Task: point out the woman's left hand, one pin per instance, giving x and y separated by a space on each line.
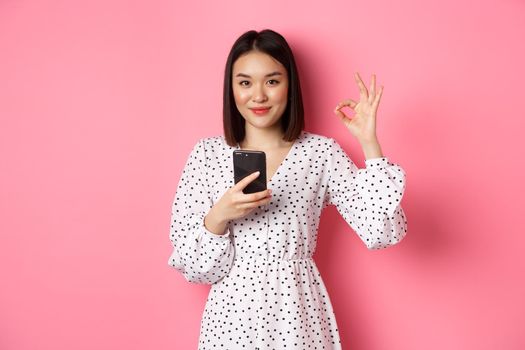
363 123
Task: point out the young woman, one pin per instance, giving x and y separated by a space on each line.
256 249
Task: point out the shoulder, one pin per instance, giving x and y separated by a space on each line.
317 140
214 142
211 143
211 149
316 137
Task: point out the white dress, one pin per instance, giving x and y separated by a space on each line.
266 291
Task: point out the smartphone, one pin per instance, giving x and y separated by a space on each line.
246 163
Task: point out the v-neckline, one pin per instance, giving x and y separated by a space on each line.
288 155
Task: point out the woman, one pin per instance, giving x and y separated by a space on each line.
256 249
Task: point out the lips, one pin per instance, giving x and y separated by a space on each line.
260 111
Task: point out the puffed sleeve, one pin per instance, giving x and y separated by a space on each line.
200 255
368 199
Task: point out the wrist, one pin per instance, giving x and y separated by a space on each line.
371 149
215 217
368 141
214 223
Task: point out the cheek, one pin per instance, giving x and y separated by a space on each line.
240 96
280 94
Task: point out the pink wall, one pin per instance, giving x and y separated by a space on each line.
101 102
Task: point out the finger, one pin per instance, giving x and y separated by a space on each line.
341 115
251 197
263 201
246 181
348 102
362 88
251 205
378 97
372 94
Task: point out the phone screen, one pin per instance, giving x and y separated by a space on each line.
246 163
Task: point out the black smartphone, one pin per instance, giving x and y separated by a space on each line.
246 163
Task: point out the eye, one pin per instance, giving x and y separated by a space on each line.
246 81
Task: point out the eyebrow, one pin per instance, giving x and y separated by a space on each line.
267 75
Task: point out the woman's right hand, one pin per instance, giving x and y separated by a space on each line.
235 204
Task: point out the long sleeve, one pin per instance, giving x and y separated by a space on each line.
368 199
200 255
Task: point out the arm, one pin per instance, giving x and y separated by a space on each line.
199 254
368 199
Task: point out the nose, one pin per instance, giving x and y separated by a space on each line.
259 95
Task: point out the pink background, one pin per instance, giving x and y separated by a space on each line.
101 102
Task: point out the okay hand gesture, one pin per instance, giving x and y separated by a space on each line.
363 124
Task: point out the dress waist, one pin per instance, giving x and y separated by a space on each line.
270 259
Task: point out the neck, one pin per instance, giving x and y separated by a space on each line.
266 138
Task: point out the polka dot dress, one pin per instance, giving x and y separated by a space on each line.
266 291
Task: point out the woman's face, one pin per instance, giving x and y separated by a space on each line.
259 80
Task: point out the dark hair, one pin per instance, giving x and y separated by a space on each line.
273 44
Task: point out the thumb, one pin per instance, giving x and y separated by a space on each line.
246 181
